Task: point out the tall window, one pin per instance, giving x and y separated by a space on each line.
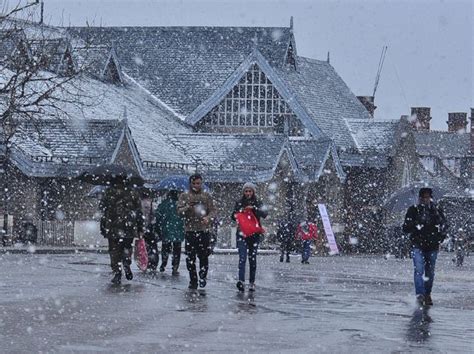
254 102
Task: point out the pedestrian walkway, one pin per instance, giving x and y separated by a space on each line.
344 304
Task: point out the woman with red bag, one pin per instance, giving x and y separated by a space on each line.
247 212
306 232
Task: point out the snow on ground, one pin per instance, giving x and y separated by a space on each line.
65 303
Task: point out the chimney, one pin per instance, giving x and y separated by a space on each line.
368 102
421 118
457 122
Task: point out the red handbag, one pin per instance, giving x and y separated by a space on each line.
248 223
141 255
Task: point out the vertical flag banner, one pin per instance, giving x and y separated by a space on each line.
328 229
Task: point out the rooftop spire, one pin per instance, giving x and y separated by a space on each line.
329 59
291 23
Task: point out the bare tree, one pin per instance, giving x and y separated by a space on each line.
37 78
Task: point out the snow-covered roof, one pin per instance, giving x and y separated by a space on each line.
55 147
236 158
183 66
442 144
373 135
326 98
186 66
149 122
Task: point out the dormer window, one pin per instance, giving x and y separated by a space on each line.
111 73
67 64
290 56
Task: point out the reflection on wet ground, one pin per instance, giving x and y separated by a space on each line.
340 304
419 327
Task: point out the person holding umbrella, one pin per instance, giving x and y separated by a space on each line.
169 226
196 207
122 217
427 227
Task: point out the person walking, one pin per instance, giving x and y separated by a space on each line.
196 207
307 232
286 234
121 222
169 225
248 244
149 233
427 226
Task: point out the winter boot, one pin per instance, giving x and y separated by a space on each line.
428 300
202 282
252 287
420 300
240 286
192 285
281 258
117 279
128 272
162 269
287 259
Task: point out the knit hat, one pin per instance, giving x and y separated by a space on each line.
250 185
425 190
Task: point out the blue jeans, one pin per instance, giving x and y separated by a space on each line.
424 262
306 250
248 245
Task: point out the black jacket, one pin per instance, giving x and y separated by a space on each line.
286 231
257 207
122 215
426 225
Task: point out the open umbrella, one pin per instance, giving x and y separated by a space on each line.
176 183
406 196
96 191
110 175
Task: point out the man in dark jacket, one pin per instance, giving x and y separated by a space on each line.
286 235
196 207
121 222
426 225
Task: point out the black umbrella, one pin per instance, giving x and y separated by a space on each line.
406 196
111 175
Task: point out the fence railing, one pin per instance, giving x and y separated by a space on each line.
55 233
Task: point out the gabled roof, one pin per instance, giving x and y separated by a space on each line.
442 144
311 157
373 135
149 122
183 66
256 58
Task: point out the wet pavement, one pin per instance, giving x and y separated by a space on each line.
65 303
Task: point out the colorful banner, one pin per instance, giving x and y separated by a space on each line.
328 229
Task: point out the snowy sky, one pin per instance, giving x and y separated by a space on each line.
430 42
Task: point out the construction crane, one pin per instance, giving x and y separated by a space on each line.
379 70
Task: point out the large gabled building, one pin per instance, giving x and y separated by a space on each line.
236 104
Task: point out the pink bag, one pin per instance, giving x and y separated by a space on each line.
248 223
141 255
